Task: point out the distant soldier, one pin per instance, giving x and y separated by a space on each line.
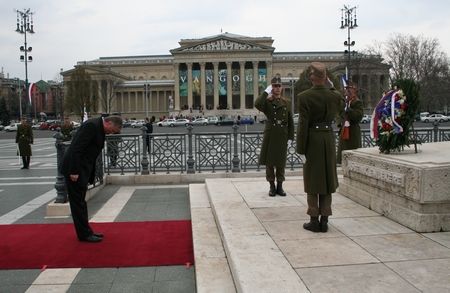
278 130
24 139
66 129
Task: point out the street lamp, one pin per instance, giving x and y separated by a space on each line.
24 25
292 96
348 21
146 92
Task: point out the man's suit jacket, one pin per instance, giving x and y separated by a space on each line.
83 151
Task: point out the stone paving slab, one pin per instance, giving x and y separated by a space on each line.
354 278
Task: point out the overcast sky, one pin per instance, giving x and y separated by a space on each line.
68 31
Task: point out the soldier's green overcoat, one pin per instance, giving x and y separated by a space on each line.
354 115
24 137
279 128
318 106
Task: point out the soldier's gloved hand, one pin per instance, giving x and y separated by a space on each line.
268 90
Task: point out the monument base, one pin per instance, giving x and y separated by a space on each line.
57 210
412 189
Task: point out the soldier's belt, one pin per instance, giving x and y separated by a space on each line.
321 126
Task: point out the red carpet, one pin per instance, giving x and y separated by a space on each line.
34 246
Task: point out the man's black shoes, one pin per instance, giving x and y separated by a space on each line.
272 190
99 235
92 238
313 225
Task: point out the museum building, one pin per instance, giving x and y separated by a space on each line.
216 75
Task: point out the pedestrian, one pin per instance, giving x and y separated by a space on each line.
350 131
149 130
279 128
24 140
66 129
78 168
318 107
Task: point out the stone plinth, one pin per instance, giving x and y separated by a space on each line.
412 189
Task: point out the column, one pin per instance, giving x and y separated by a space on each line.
100 97
216 84
176 96
136 109
255 80
144 100
157 103
229 87
202 85
242 80
129 102
269 71
189 69
122 109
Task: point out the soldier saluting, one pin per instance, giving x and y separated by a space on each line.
278 130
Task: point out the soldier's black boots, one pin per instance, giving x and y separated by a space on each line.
313 225
272 190
280 190
324 223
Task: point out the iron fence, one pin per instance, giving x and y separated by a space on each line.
210 152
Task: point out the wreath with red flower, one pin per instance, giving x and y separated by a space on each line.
393 117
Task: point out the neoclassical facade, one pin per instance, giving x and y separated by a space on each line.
216 75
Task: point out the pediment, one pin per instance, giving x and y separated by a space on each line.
222 44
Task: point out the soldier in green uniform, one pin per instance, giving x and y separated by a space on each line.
318 107
278 130
351 118
66 129
24 139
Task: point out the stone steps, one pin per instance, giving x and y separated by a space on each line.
255 261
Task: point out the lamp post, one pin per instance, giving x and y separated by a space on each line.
24 25
146 92
348 21
292 96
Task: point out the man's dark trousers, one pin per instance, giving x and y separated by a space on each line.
78 208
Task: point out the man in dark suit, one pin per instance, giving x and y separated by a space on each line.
78 168
318 107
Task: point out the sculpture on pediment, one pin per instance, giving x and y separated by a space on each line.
221 45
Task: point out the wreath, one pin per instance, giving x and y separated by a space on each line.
393 117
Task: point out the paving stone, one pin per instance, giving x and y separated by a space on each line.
324 252
441 237
281 213
368 226
397 247
432 275
354 278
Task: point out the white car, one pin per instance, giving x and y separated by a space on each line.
295 118
166 122
199 121
213 120
12 127
138 123
366 118
434 118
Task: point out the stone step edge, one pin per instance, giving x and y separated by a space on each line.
212 271
256 263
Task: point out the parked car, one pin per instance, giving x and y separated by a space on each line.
138 123
246 120
2 127
181 122
36 125
366 118
226 121
166 122
295 118
213 120
435 118
199 121
12 127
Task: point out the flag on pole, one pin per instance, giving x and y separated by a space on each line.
31 90
85 115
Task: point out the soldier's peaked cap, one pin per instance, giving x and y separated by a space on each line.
275 80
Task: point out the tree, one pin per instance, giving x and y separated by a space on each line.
107 93
81 93
5 119
421 60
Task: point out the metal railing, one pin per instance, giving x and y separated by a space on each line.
216 151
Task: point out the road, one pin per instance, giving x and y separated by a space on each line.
197 129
